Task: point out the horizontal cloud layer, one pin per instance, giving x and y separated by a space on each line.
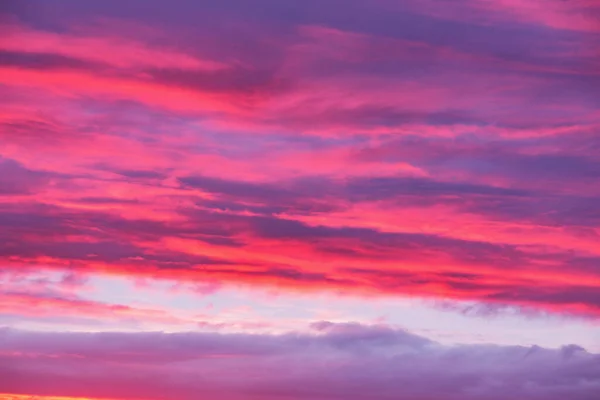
335 361
400 148
389 148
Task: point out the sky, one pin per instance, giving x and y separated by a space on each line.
293 200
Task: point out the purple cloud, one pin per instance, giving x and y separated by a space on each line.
335 361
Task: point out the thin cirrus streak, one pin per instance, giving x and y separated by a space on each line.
332 199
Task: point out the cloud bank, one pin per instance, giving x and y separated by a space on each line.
333 361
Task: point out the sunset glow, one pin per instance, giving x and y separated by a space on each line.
300 200
37 397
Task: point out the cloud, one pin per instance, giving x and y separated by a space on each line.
15 179
113 50
334 361
270 249
306 78
381 148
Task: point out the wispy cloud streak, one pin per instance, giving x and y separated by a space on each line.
447 151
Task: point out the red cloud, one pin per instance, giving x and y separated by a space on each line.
355 152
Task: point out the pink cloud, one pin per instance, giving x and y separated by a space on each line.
117 51
324 151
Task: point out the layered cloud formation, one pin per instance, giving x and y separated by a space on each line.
338 361
447 151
